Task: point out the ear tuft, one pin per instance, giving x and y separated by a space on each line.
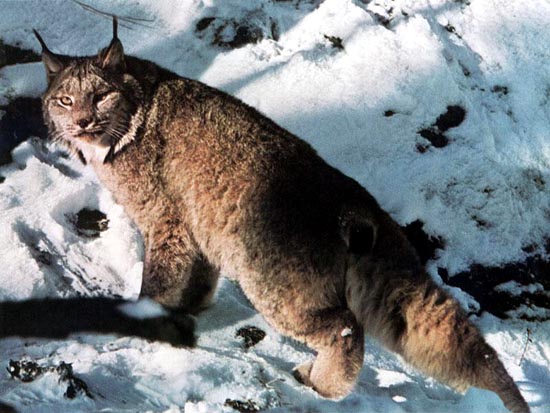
112 57
52 62
115 27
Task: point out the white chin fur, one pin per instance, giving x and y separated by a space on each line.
93 153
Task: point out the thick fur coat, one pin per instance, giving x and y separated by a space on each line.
214 186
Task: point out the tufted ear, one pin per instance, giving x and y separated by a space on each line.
112 57
53 63
358 232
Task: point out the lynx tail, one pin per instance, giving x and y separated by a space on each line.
440 340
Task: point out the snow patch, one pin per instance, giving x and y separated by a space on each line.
399 399
346 332
388 378
143 309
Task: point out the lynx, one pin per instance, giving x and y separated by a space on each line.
216 187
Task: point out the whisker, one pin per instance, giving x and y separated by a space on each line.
114 134
115 129
121 129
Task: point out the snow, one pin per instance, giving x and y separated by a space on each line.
41 192
143 309
485 193
346 332
515 288
22 80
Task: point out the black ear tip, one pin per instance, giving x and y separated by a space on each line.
40 40
115 27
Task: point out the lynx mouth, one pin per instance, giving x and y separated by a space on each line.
89 135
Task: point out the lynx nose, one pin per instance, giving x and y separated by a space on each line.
83 122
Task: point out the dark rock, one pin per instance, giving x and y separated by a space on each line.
90 222
245 35
203 23
251 335
75 386
421 148
24 370
42 256
450 28
27 371
336 42
454 116
436 138
500 90
231 33
248 406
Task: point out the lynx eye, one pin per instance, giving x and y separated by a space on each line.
66 100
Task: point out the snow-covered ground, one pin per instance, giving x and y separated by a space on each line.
358 80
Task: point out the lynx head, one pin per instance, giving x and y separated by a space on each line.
91 101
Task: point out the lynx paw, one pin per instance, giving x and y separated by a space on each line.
302 373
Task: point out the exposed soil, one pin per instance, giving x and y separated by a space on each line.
10 55
484 284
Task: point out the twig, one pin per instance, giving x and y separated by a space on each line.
128 19
529 340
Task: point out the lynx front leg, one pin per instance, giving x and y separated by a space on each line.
339 341
176 274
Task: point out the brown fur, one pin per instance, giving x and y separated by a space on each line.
214 186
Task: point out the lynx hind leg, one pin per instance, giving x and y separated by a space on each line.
178 277
339 341
440 340
201 285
